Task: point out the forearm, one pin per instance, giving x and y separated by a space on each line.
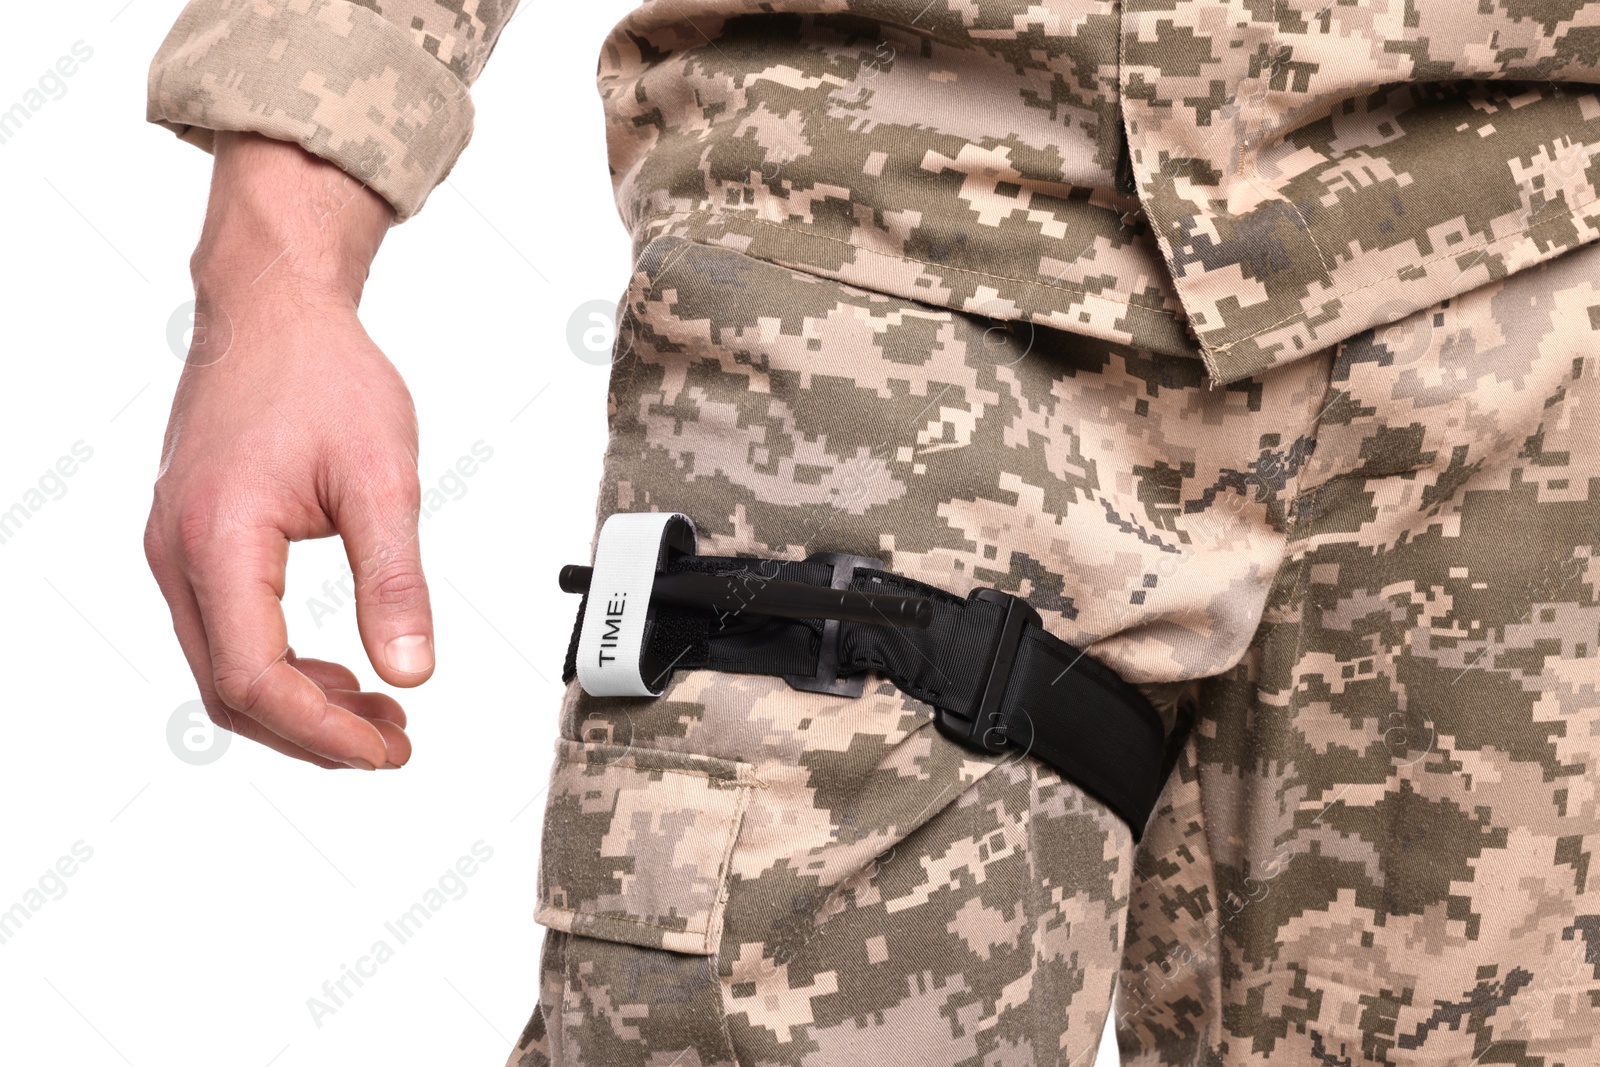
283 224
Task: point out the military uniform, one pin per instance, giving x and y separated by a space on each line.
1255 345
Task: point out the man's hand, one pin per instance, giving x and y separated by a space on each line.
289 423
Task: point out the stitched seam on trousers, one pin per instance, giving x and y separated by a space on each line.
801 232
595 916
1324 402
1293 540
722 1013
1299 588
566 986
613 439
562 757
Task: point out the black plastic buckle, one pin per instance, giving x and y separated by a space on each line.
985 729
827 679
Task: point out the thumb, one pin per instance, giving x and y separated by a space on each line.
379 528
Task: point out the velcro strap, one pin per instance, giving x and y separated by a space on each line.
1073 712
611 639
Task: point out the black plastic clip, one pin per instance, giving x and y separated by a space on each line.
985 729
827 679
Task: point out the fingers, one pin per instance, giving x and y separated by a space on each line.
379 525
196 650
327 674
237 573
395 741
374 707
338 682
381 710
340 686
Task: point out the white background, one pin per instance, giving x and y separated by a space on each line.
217 899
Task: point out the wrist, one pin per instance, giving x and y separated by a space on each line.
282 223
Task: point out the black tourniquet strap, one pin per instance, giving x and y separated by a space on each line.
998 681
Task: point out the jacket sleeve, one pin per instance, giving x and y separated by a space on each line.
379 88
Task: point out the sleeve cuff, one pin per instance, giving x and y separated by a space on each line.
337 79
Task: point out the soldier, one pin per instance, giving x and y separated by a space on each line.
1252 345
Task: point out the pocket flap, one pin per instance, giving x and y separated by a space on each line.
637 844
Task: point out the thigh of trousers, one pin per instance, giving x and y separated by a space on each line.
1376 845
742 873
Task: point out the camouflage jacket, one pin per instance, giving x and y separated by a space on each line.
1252 180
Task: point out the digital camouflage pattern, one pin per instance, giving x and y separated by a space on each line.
1376 848
1303 161
789 413
380 87
963 155
891 897
1090 301
644 842
1318 167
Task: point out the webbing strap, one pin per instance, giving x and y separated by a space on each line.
998 681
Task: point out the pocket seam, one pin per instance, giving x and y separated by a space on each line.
618 919
573 759
741 778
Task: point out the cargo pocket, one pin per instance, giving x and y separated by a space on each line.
637 843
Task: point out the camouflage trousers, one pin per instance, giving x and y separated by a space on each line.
1359 585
